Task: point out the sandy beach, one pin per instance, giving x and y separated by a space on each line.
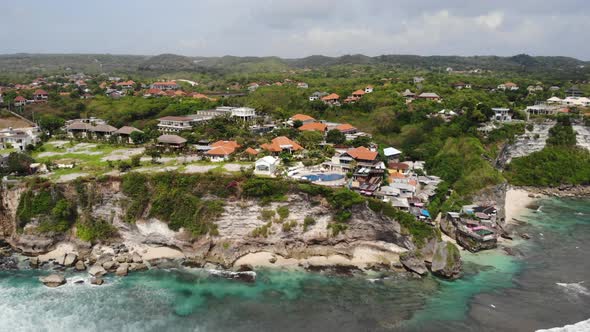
516 201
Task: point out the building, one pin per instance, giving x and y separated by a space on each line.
175 124
502 114
222 150
302 85
358 93
331 99
314 126
346 128
408 94
544 109
574 91
242 113
19 139
392 154
101 131
281 144
40 96
302 117
125 85
171 141
461 85
317 95
429 96
20 101
418 79
124 133
164 86
368 89
508 86
266 166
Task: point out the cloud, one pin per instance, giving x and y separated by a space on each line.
299 28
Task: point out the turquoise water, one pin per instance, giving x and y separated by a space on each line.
497 292
324 177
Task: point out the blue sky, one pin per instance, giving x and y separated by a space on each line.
297 28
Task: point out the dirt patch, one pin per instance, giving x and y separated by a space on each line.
13 122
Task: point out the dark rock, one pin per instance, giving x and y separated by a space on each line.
446 261
525 236
413 263
193 262
79 282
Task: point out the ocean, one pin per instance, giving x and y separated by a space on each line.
543 284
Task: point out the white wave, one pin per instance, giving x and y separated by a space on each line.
582 326
575 288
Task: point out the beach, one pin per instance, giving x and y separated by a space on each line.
516 202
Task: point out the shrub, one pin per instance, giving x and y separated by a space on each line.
262 231
337 228
308 221
269 189
288 226
95 230
267 215
283 212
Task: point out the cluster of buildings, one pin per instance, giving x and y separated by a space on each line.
19 138
176 124
411 96
334 99
98 129
474 227
253 86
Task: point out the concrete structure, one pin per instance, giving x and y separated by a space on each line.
502 114
266 166
19 138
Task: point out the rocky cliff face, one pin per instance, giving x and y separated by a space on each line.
366 231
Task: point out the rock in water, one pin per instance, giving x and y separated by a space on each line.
53 280
34 262
70 259
446 261
97 281
413 263
97 271
80 266
122 270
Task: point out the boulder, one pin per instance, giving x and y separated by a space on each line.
413 263
122 270
53 280
109 265
97 271
446 262
69 259
80 266
97 281
136 258
122 258
137 267
525 236
34 262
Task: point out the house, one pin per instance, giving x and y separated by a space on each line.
154 93
165 86
125 85
408 94
392 154
20 101
358 93
317 95
554 88
544 109
101 131
502 114
461 85
332 99
222 150
534 88
368 170
368 89
302 117
251 152
175 124
429 96
576 101
346 128
124 133
418 79
171 141
398 167
302 85
40 96
253 86
20 138
574 91
314 126
508 86
281 144
266 166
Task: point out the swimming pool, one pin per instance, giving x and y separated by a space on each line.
323 177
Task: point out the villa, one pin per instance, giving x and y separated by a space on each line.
171 141
281 144
175 124
124 133
171 85
502 114
222 150
19 138
314 126
301 117
266 166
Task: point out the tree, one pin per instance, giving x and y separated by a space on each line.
335 136
154 153
18 163
311 139
361 141
138 137
297 123
50 123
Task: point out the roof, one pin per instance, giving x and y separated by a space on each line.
313 126
408 93
130 82
231 144
40 92
280 143
428 95
267 160
154 91
510 84
345 127
362 153
127 130
388 152
165 83
223 150
175 118
171 139
301 117
78 126
103 128
331 96
251 151
20 98
398 166
358 92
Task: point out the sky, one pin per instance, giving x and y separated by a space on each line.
294 29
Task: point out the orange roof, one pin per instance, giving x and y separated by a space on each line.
345 127
40 92
224 150
280 143
231 144
200 96
314 126
251 151
19 98
301 117
331 96
358 92
509 84
130 82
396 175
362 153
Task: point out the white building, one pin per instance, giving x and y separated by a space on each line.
266 165
175 124
502 114
18 139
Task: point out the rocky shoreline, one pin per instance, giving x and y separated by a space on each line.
563 191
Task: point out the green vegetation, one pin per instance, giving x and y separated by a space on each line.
283 212
262 231
267 215
92 230
288 226
308 221
562 134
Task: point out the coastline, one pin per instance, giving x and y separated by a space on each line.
516 201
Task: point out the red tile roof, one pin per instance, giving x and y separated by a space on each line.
345 127
313 126
362 153
251 151
40 92
358 92
277 145
302 117
19 98
232 144
331 97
